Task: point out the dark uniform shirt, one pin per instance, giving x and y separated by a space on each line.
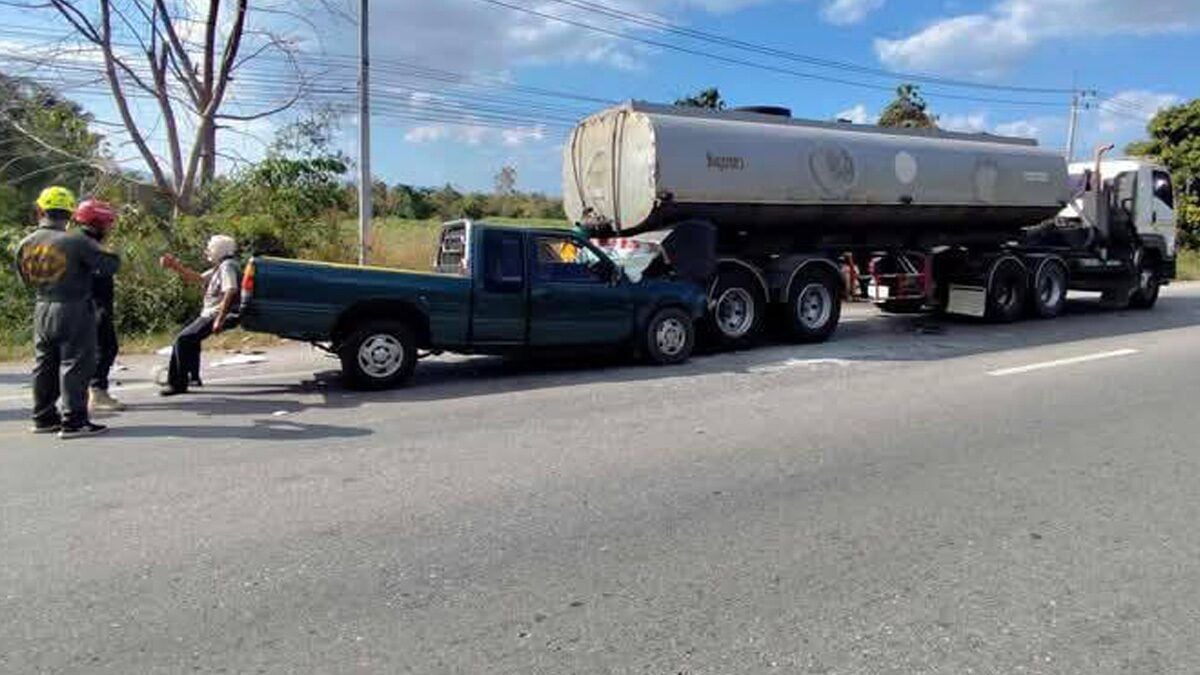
61 266
104 292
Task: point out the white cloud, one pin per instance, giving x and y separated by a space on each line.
1132 109
971 123
988 44
1020 128
520 135
858 115
847 12
426 133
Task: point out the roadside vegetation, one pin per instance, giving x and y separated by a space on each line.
298 201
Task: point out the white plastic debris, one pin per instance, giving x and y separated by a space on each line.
239 360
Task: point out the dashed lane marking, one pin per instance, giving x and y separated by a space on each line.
1018 370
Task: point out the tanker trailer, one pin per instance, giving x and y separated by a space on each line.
802 210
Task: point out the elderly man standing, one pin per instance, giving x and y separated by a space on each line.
61 267
221 284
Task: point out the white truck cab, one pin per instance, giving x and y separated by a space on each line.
1144 187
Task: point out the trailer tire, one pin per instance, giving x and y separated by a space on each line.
814 305
1148 284
1007 290
1048 292
738 309
378 355
670 336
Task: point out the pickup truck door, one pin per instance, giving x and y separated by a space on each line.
573 297
500 306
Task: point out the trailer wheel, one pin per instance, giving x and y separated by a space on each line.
1048 296
1006 291
378 355
814 305
737 309
670 336
1145 294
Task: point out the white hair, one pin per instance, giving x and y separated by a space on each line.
220 247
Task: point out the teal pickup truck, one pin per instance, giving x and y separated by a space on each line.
494 290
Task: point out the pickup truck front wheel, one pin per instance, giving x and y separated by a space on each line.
670 336
378 355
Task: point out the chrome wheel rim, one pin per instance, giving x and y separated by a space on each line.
814 306
381 356
670 336
735 312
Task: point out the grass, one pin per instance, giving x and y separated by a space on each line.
1188 265
147 343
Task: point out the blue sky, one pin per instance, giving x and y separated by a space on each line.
1132 53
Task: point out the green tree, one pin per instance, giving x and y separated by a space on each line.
1175 141
908 111
44 139
705 98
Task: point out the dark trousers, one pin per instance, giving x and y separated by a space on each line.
185 356
106 347
64 343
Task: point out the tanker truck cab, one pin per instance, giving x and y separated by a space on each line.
1141 199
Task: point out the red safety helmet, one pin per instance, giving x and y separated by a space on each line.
96 215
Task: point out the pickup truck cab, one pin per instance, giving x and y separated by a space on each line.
494 290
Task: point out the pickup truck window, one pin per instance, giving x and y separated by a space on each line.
504 261
564 259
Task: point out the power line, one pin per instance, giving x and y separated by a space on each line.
745 63
661 24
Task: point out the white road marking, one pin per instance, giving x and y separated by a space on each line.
1063 362
227 380
795 363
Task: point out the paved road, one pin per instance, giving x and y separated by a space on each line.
913 497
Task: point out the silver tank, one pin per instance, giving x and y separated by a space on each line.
639 167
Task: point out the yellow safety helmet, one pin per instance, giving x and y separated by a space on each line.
56 198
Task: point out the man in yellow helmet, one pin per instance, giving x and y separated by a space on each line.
60 267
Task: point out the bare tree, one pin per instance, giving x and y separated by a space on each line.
183 56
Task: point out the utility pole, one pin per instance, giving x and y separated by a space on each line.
1078 102
365 184
1073 125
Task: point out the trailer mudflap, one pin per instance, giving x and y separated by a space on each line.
967 301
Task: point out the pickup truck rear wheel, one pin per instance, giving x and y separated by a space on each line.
670 336
378 355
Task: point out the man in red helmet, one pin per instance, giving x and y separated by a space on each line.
97 219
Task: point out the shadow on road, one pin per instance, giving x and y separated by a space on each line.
259 430
865 337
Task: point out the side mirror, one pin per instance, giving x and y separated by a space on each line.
1127 205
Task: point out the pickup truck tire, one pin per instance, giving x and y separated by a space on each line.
378 355
670 336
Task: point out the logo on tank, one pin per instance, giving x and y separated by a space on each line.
725 162
833 170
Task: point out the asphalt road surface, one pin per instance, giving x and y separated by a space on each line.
916 496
